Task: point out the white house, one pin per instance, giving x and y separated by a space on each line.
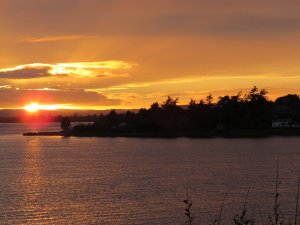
284 123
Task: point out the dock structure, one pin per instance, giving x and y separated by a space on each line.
43 134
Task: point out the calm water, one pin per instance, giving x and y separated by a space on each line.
53 180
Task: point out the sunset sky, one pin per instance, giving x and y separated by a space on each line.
100 54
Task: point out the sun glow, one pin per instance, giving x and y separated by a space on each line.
35 107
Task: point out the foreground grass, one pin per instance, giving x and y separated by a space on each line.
243 218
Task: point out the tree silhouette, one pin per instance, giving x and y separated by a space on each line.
170 103
231 112
65 123
209 99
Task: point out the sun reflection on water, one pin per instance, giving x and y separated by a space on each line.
32 180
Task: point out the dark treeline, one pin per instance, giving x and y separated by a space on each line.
253 110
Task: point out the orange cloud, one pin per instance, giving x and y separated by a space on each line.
77 69
17 98
51 38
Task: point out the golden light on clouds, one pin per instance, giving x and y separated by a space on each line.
89 69
80 69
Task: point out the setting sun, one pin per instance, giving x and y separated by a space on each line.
33 107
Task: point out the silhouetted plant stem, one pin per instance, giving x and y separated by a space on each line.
276 197
253 215
242 219
276 207
297 202
246 199
188 211
221 210
261 217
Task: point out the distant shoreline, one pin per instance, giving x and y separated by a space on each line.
263 133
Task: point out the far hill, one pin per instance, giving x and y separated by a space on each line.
18 115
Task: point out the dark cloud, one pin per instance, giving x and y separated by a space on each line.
25 73
256 25
18 98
